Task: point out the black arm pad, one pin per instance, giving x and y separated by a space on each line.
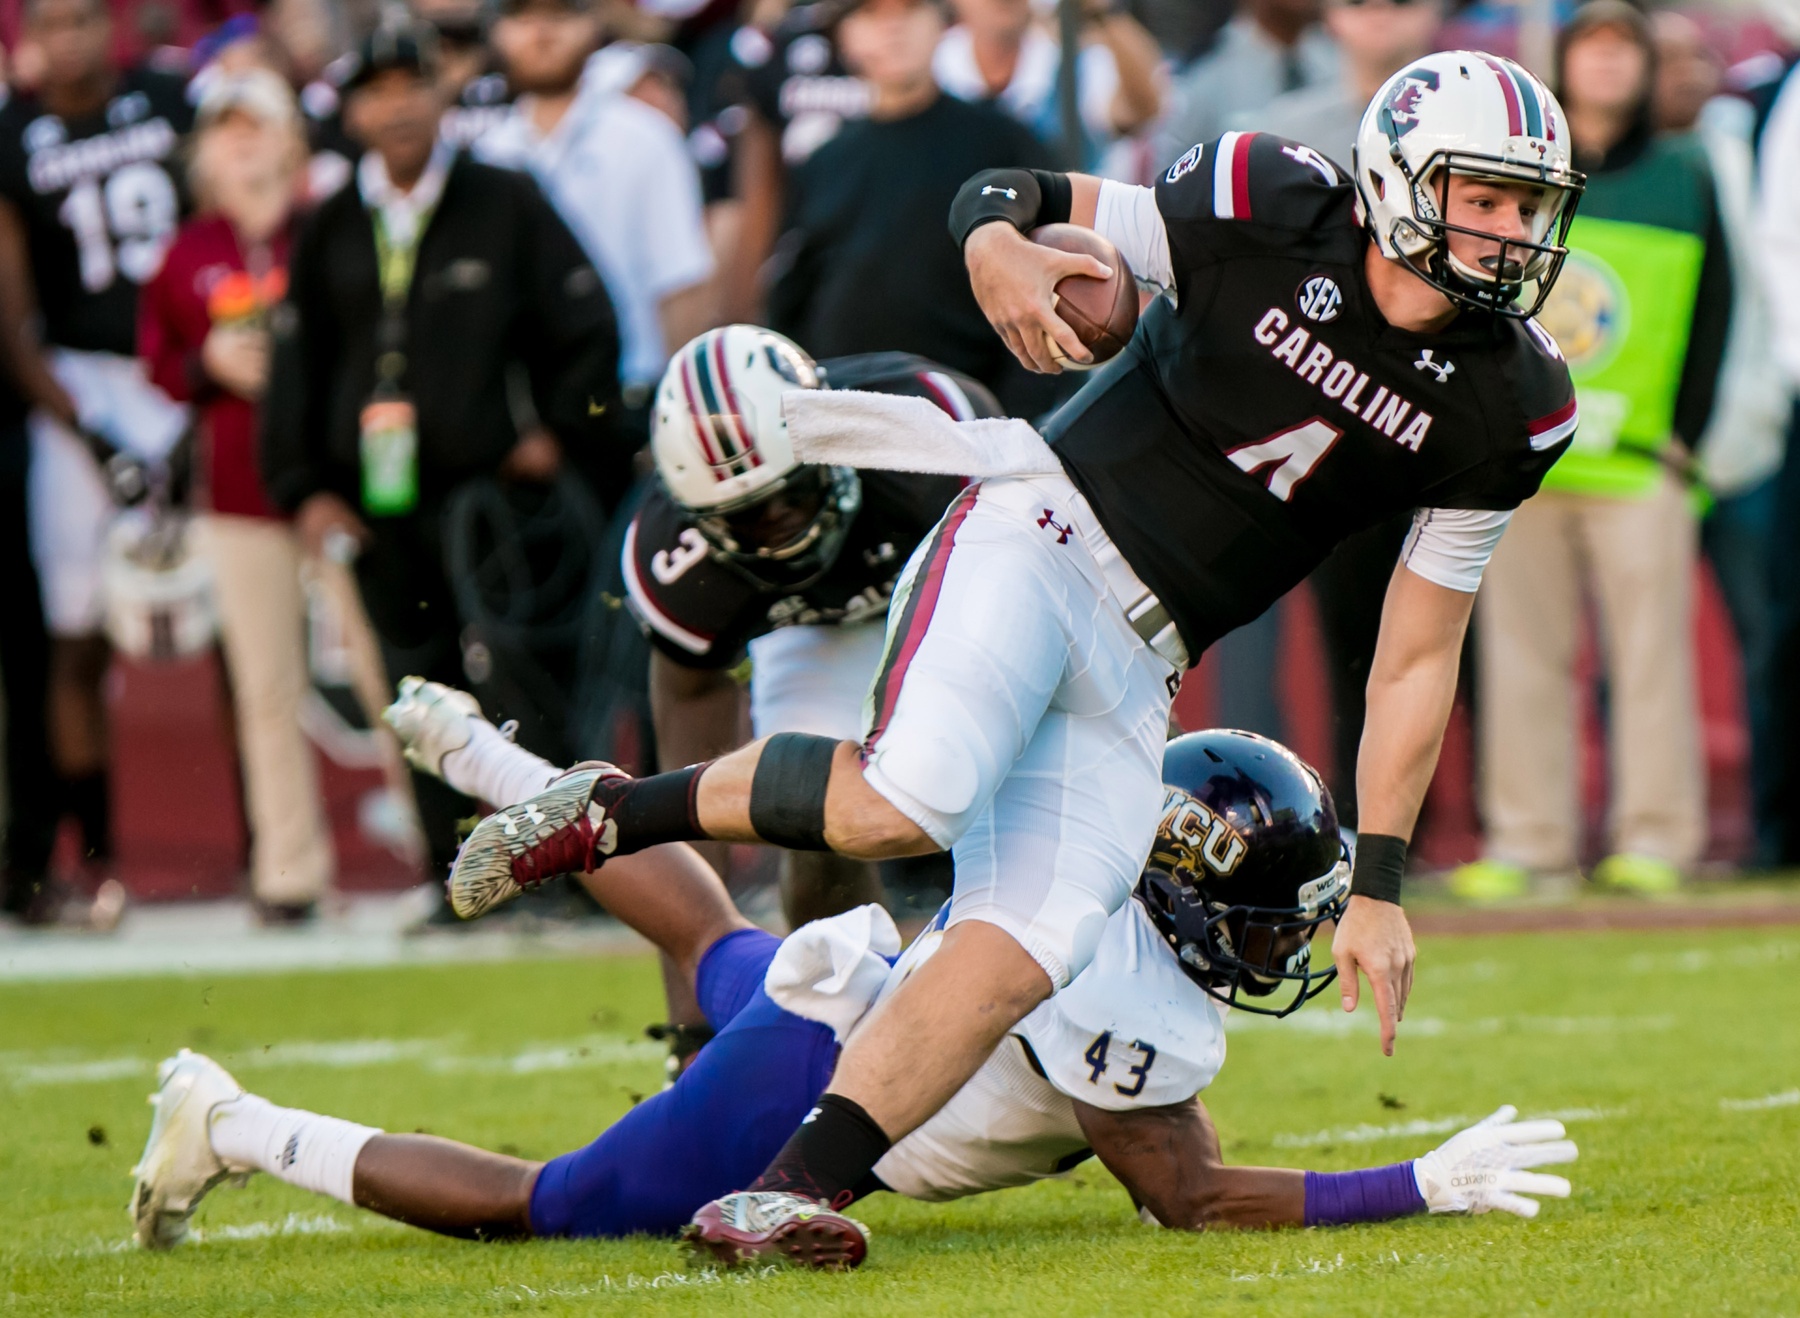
787 791
1023 198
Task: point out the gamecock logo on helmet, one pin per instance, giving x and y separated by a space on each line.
1401 113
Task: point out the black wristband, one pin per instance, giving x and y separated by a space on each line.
1380 865
1023 198
787 791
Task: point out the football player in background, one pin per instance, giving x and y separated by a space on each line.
89 202
743 550
1331 352
1247 865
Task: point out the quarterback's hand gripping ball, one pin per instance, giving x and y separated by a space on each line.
1102 312
1483 1168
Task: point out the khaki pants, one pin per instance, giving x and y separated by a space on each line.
262 623
1635 558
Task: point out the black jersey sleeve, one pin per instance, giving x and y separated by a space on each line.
1246 191
1531 441
696 611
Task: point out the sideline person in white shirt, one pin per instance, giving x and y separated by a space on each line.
617 171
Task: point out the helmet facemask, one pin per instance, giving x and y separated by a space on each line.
819 502
1241 954
1421 240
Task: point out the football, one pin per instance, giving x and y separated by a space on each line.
1103 312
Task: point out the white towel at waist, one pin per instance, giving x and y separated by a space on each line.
891 432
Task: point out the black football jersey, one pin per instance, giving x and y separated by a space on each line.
100 200
795 78
1268 410
702 611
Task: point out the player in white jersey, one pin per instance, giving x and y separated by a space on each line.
1247 866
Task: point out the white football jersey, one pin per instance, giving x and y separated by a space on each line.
1130 1031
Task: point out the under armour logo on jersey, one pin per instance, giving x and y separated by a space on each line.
1049 523
808 1119
1443 370
1011 194
1319 299
528 814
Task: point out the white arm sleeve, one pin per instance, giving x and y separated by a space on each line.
1127 217
1450 547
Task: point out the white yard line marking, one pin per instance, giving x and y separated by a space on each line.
632 1281
1786 1098
1336 1023
1369 1134
438 1055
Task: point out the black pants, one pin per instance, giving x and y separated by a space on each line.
1784 662
1349 587
31 795
401 576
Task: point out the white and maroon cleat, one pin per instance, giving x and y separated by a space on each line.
758 1225
561 830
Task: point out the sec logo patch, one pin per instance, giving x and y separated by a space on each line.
1319 299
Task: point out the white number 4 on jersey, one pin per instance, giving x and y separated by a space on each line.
1288 456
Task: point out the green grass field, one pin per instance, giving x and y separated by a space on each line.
1674 1059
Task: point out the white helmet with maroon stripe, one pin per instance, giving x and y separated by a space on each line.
724 454
1467 113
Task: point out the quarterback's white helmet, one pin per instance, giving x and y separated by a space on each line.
1467 113
724 454
157 587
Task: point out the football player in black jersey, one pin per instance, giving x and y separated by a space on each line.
742 549
1334 349
89 201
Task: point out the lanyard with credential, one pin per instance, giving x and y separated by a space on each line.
390 426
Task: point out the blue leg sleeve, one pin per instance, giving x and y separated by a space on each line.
715 1131
731 973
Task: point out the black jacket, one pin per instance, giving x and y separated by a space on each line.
501 284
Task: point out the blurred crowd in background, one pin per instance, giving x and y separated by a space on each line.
254 467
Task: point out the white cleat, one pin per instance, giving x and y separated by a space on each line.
561 830
179 1165
431 720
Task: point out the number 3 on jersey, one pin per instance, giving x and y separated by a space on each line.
1095 1056
1288 456
137 207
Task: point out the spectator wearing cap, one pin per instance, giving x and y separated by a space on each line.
867 264
618 172
415 295
1269 47
203 334
1640 311
1742 447
998 52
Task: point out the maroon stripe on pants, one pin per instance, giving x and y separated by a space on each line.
921 603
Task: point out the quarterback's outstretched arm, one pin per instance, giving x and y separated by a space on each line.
1412 683
1168 1159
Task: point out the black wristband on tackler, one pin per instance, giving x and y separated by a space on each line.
1380 865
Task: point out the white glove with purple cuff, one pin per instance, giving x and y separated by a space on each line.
1483 1168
